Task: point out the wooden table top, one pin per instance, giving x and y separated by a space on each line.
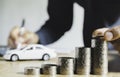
16 69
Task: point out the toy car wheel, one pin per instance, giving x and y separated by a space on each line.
46 57
14 57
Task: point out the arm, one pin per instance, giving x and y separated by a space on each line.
61 16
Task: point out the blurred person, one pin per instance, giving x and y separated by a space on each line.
26 38
98 14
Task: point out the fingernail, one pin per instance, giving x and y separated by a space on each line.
108 36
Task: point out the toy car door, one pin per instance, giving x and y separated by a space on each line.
28 53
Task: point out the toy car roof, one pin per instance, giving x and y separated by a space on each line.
36 45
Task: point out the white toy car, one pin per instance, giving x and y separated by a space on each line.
34 51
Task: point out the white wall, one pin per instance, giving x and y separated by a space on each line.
13 11
35 13
74 37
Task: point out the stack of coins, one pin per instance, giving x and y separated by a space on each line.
99 56
66 65
50 69
32 70
82 58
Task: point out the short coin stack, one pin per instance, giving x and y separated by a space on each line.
32 71
50 69
66 65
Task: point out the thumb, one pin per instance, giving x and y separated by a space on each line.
112 34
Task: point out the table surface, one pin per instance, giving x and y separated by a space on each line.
16 69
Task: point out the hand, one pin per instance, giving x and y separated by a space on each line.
26 38
112 35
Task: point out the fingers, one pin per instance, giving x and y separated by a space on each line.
26 38
109 34
13 36
30 38
99 32
11 43
112 34
14 32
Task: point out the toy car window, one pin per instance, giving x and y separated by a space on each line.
38 48
22 48
31 48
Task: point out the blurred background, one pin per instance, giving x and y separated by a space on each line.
35 14
12 12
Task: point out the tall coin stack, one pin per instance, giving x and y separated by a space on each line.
99 56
